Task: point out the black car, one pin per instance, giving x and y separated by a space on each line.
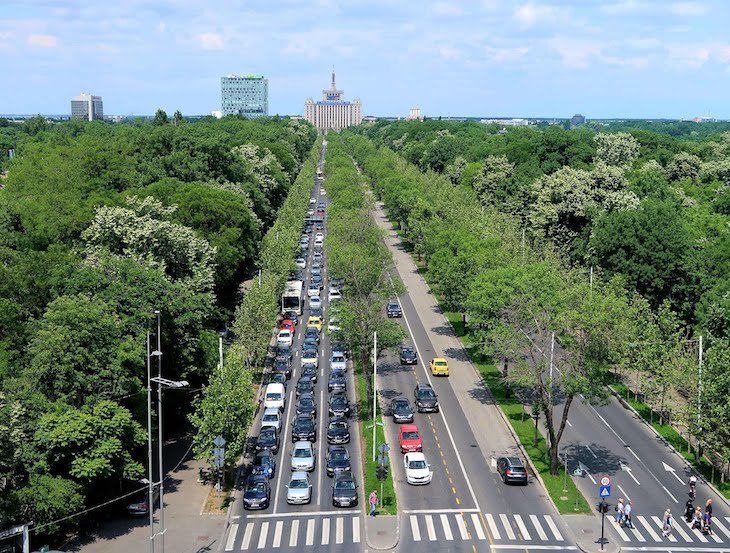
303 428
393 309
264 463
310 342
316 271
311 332
306 405
315 311
338 431
340 348
304 386
512 469
283 366
344 490
337 381
292 316
339 405
401 410
257 492
277 378
283 353
426 399
309 370
408 356
338 460
268 438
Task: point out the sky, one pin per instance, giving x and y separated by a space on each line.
516 58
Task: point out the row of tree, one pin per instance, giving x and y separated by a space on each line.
517 292
100 225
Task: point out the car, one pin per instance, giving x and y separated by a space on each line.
339 405
140 505
310 341
336 282
338 431
304 240
317 280
319 226
309 370
512 470
317 257
393 309
344 490
338 460
256 492
303 456
418 471
312 200
300 262
401 410
299 489
340 348
313 291
319 236
264 463
279 377
311 332
316 270
408 355
334 296
426 399
303 428
291 315
274 396
315 311
271 417
310 212
304 386
332 325
284 367
287 324
314 321
306 405
283 353
409 438
336 381
322 192
268 438
338 362
285 338
320 211
310 356
439 366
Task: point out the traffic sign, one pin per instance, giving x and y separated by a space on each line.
219 441
605 481
604 491
383 448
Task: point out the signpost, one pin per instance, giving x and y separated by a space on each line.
219 453
604 491
381 470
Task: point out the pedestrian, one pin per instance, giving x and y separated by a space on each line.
373 502
627 515
619 511
708 507
689 511
668 523
707 523
697 520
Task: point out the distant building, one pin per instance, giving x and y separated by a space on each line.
333 112
704 119
508 122
87 107
217 114
415 113
577 119
247 96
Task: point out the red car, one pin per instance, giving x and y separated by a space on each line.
409 438
287 324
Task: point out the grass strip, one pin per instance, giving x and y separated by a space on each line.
388 504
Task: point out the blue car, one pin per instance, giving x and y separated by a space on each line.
264 463
257 492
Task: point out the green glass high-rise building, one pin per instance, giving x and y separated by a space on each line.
245 95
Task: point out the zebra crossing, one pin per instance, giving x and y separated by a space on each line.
648 529
292 532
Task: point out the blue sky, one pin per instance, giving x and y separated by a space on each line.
602 58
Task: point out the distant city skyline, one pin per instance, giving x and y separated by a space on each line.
603 58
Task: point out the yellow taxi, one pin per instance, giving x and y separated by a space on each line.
439 367
315 322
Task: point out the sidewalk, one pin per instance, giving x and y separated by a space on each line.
587 533
382 532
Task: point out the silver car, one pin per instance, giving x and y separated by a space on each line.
299 489
303 456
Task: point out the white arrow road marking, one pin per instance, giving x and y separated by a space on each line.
671 469
627 468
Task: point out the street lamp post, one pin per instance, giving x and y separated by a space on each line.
151 496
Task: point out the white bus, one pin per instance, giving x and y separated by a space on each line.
291 299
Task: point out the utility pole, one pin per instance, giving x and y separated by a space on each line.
375 391
151 483
159 431
590 281
220 350
699 400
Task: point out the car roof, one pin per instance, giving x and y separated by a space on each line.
408 428
423 386
256 478
416 456
299 475
399 399
308 395
516 461
337 419
336 448
346 475
435 359
271 411
302 444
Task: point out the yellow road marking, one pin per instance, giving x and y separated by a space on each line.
458 502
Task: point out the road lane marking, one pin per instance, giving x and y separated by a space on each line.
507 526
553 527
696 532
321 445
447 528
681 531
492 525
247 536
717 524
299 514
621 532
414 528
461 524
281 446
522 527
538 527
325 531
294 535
589 449
656 520
310 532
544 547
636 533
355 529
458 501
624 492
339 530
232 531
430 528
437 511
263 535
277 533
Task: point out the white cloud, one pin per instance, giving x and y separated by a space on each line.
161 27
43 41
688 9
723 53
449 53
502 55
210 41
445 9
527 15
688 56
490 5
576 53
624 7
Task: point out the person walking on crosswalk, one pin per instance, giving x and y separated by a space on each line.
668 523
627 515
620 511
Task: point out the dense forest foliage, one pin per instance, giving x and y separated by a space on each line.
99 225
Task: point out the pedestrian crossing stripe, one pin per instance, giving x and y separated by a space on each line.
260 534
682 530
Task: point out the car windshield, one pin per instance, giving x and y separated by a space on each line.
345 485
338 425
306 402
441 363
338 456
401 406
271 418
407 351
426 393
268 434
309 352
299 484
302 453
417 464
257 487
339 400
273 396
410 435
264 460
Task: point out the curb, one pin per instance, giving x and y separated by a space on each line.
388 547
627 405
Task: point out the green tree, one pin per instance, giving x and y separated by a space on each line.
45 498
492 183
177 118
616 148
684 166
160 118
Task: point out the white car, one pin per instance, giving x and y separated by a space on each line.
319 236
318 242
303 456
313 290
312 201
299 489
313 360
334 295
332 325
310 212
285 338
301 262
315 302
338 362
271 417
322 192
418 471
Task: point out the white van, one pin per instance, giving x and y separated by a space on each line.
271 417
274 396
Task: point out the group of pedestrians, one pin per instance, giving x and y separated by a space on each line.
699 519
623 513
